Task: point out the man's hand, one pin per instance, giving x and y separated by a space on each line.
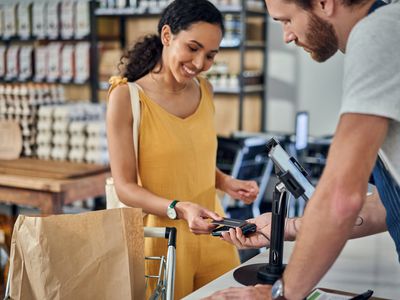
258 292
256 240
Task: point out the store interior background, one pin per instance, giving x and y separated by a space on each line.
295 83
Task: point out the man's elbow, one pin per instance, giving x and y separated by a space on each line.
346 205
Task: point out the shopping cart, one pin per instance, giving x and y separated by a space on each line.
165 278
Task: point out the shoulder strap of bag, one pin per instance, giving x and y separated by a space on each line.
135 104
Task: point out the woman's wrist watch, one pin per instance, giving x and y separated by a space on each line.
171 212
277 290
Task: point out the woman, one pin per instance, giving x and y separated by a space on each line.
177 142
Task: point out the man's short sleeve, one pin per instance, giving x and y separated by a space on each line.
372 66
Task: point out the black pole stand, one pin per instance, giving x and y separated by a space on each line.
270 272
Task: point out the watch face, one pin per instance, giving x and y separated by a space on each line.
277 289
171 213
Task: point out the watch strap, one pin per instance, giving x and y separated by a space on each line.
173 203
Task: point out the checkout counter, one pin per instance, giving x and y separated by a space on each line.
362 265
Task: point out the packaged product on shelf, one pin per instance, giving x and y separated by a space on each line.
77 140
82 62
53 19
10 20
133 3
77 154
44 152
41 55
3 105
103 4
98 156
120 3
111 3
39 15
3 50
12 62
154 7
54 62
59 153
67 63
25 62
67 19
1 21
44 138
82 19
60 138
24 19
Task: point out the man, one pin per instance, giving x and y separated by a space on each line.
368 32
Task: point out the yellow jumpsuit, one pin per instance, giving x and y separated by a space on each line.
177 160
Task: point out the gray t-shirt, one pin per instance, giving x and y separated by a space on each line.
372 76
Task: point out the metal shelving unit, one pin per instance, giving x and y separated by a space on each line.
92 38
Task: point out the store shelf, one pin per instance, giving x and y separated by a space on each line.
248 89
250 45
140 13
237 9
36 39
58 81
125 12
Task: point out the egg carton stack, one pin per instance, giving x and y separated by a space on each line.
21 103
96 143
45 133
86 141
32 98
77 141
64 116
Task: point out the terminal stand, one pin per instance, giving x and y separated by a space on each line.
268 273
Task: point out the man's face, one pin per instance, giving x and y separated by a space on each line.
305 28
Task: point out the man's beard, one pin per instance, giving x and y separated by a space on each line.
321 38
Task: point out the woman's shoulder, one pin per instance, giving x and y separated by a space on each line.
118 86
203 81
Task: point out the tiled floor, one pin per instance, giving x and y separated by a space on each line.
366 263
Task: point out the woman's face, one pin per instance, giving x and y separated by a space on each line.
191 51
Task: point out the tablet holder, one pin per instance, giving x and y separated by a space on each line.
268 273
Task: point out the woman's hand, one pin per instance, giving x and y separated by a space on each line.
244 190
259 239
197 217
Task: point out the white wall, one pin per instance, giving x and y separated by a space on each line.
297 83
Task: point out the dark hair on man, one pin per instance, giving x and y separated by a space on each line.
308 4
179 15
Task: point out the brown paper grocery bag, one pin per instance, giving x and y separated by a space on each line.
95 255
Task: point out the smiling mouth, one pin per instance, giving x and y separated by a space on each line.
189 71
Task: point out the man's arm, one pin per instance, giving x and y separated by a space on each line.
340 195
372 218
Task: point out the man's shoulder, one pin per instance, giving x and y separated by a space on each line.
383 20
375 31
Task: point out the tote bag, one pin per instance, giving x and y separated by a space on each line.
112 200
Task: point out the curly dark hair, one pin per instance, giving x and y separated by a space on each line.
179 15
